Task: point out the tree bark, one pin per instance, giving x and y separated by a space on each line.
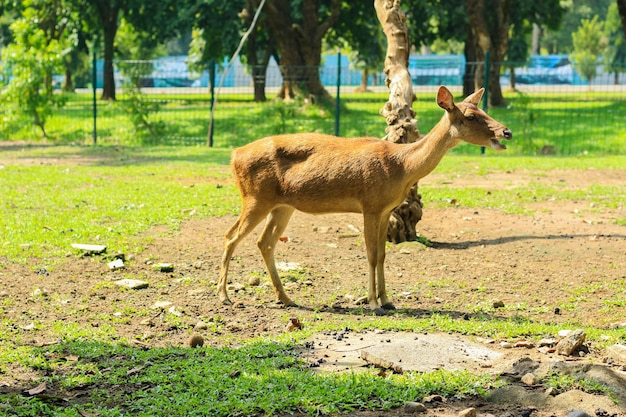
258 67
492 36
108 15
398 111
300 46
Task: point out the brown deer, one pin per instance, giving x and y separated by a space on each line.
317 174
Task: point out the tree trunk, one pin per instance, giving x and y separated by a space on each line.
364 77
68 81
398 111
258 67
109 18
470 63
492 36
300 46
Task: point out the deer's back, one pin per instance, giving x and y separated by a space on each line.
301 168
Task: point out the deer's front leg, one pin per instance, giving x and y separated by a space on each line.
372 234
380 265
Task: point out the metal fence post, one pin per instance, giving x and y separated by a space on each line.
95 102
338 100
212 66
486 94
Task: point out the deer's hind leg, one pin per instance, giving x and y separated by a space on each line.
274 227
251 215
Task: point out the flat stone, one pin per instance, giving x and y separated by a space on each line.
132 284
163 267
116 264
411 352
90 249
161 304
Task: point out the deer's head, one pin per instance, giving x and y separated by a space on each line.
471 124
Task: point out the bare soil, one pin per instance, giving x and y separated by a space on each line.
565 264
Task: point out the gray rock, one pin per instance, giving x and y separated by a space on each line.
132 284
578 413
90 249
414 407
571 342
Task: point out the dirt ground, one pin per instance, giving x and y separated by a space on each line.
565 264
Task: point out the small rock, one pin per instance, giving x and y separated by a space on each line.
161 304
116 264
90 249
547 342
571 342
196 340
433 399
254 281
524 344
3 294
578 413
147 322
132 284
617 352
163 267
506 345
468 412
201 326
414 407
498 304
235 287
529 379
39 292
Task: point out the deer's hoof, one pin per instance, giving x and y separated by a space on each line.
226 301
380 311
388 306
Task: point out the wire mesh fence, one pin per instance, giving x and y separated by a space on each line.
551 109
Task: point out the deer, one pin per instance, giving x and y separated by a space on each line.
316 173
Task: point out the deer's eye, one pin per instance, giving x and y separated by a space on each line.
471 116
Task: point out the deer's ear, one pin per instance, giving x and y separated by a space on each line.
445 99
475 97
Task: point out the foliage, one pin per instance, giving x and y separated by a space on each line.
140 109
615 53
559 40
29 64
588 47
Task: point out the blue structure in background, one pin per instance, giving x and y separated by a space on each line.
173 71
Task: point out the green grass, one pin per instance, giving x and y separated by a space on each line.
571 123
119 192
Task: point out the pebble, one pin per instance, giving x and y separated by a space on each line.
414 407
529 379
578 413
201 326
132 284
254 281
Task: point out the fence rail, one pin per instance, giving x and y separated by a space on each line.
551 110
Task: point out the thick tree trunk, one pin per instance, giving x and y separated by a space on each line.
490 36
109 17
300 45
257 48
398 111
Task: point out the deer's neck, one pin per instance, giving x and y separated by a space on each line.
423 156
